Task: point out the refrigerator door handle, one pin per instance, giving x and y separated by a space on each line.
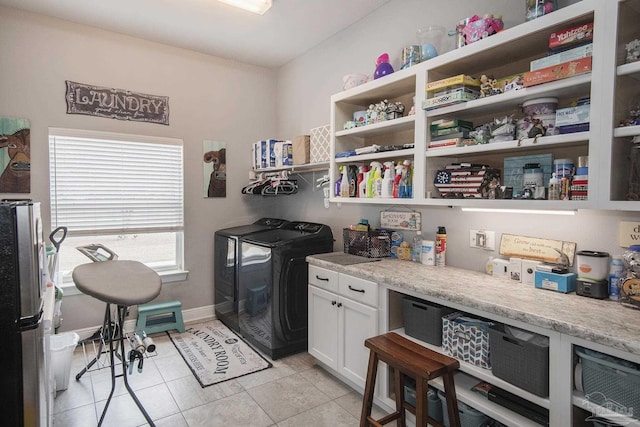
30 322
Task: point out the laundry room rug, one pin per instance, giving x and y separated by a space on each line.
215 354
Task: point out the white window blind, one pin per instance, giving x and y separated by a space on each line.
103 183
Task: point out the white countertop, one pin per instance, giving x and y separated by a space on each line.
601 321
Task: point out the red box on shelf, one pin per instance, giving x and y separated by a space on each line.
571 36
557 72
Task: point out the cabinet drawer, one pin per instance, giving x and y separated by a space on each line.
323 278
359 290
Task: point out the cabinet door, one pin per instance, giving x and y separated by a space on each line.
323 326
358 322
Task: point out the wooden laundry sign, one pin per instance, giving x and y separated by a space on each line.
534 248
116 103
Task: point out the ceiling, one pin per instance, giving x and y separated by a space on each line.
287 30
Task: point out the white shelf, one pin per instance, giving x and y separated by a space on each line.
308 167
577 138
395 125
409 152
573 86
399 82
374 201
631 70
481 374
580 401
626 131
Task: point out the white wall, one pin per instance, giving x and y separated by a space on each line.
209 98
304 89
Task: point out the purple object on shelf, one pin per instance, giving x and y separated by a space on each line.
382 66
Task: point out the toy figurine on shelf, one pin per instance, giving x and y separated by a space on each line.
634 117
488 86
383 67
537 129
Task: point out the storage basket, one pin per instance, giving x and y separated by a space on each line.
611 382
469 417
523 363
370 244
467 341
423 320
320 144
435 407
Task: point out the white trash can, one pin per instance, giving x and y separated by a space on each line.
62 347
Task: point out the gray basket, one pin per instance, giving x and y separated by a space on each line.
469 417
435 407
423 320
611 383
521 363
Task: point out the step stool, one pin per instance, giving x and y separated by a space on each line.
160 317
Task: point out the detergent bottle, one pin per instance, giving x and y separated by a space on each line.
377 180
359 181
362 183
387 181
344 181
336 188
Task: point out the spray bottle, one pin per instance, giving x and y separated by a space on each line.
409 165
441 246
362 181
372 174
336 189
377 180
344 181
396 181
387 181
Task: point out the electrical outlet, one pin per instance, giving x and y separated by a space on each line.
482 239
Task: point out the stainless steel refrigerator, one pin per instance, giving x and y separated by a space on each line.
23 381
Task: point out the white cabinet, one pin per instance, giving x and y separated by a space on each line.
340 319
504 54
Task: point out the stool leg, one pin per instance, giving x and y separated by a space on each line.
452 400
421 402
112 363
122 312
367 399
399 383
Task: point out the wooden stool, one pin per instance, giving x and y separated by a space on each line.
160 317
413 360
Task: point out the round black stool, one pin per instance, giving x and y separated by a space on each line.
121 283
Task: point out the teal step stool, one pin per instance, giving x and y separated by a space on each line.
160 317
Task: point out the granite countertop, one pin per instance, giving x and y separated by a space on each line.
601 321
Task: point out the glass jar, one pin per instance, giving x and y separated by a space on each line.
538 8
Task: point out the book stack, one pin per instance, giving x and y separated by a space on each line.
580 187
466 180
447 133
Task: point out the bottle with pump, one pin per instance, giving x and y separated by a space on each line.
554 187
416 250
362 184
344 181
387 181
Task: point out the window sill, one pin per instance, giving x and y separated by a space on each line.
69 288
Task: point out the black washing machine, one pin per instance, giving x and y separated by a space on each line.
272 310
226 266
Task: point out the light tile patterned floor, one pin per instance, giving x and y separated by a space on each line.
294 392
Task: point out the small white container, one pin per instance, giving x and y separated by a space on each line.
540 106
62 347
592 265
428 252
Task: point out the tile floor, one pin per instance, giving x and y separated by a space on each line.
294 392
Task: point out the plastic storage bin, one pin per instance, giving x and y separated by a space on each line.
423 320
466 338
433 401
62 347
521 358
469 417
610 382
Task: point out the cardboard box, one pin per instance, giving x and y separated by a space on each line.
570 36
460 79
528 271
557 72
515 269
320 144
560 57
300 146
573 115
555 282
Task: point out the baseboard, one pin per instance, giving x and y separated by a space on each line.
191 315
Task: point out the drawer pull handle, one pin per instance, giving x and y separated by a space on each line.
356 290
333 303
339 304
324 279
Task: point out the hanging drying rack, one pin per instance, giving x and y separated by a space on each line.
272 184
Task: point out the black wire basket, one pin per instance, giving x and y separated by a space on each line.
370 244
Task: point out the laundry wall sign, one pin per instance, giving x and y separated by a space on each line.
116 103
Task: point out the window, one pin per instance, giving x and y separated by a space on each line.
123 191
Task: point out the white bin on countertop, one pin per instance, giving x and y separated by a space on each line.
62 347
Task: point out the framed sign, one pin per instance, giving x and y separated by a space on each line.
116 103
534 248
401 220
